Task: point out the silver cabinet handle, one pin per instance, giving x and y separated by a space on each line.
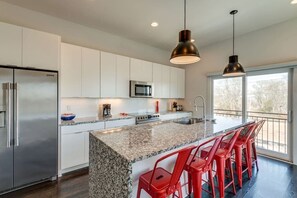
16 106
6 87
290 116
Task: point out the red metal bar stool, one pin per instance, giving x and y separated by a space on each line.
160 183
241 148
223 159
252 144
197 166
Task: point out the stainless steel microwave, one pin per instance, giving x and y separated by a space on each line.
141 89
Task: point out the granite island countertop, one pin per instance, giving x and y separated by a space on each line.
135 143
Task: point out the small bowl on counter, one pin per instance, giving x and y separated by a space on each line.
67 116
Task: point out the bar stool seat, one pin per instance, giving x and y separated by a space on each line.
196 166
223 160
197 162
242 150
160 183
160 180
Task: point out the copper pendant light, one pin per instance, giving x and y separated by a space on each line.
234 68
185 52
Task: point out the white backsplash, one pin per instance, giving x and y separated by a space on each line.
86 107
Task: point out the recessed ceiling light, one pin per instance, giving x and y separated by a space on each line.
154 24
294 2
192 40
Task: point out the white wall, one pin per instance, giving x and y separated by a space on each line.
86 107
275 44
81 35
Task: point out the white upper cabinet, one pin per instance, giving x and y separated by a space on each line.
90 73
173 82
11 44
108 75
177 83
166 81
181 83
157 80
123 77
41 49
141 70
161 79
71 70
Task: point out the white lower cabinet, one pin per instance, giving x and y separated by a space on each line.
75 145
73 149
75 142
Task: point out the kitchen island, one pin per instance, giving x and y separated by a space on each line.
119 156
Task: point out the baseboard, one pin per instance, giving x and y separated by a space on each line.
74 168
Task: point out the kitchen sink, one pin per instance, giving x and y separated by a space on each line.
188 121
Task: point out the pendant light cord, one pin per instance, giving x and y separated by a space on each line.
185 14
233 33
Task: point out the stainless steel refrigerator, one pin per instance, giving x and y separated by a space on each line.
28 126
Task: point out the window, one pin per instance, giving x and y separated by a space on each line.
261 95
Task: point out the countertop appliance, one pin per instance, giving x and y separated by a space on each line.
28 127
106 110
141 89
142 118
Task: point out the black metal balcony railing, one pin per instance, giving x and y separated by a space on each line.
273 135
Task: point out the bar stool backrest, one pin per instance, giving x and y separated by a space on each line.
210 155
249 130
180 162
228 143
258 129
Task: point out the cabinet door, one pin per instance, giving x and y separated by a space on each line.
123 77
72 150
90 73
157 80
41 49
173 82
70 70
11 44
108 75
141 70
181 83
87 133
166 82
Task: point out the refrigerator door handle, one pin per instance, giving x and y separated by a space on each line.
6 87
16 106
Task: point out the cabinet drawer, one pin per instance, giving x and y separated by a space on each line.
168 117
119 123
72 150
183 115
82 127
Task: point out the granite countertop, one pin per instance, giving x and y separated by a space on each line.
86 120
94 119
139 142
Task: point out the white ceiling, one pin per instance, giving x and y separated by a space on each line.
209 20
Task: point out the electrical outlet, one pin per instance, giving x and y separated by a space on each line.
68 107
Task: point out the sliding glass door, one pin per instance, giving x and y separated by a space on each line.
227 97
265 95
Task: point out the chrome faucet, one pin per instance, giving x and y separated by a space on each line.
203 105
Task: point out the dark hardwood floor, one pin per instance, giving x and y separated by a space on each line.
274 180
